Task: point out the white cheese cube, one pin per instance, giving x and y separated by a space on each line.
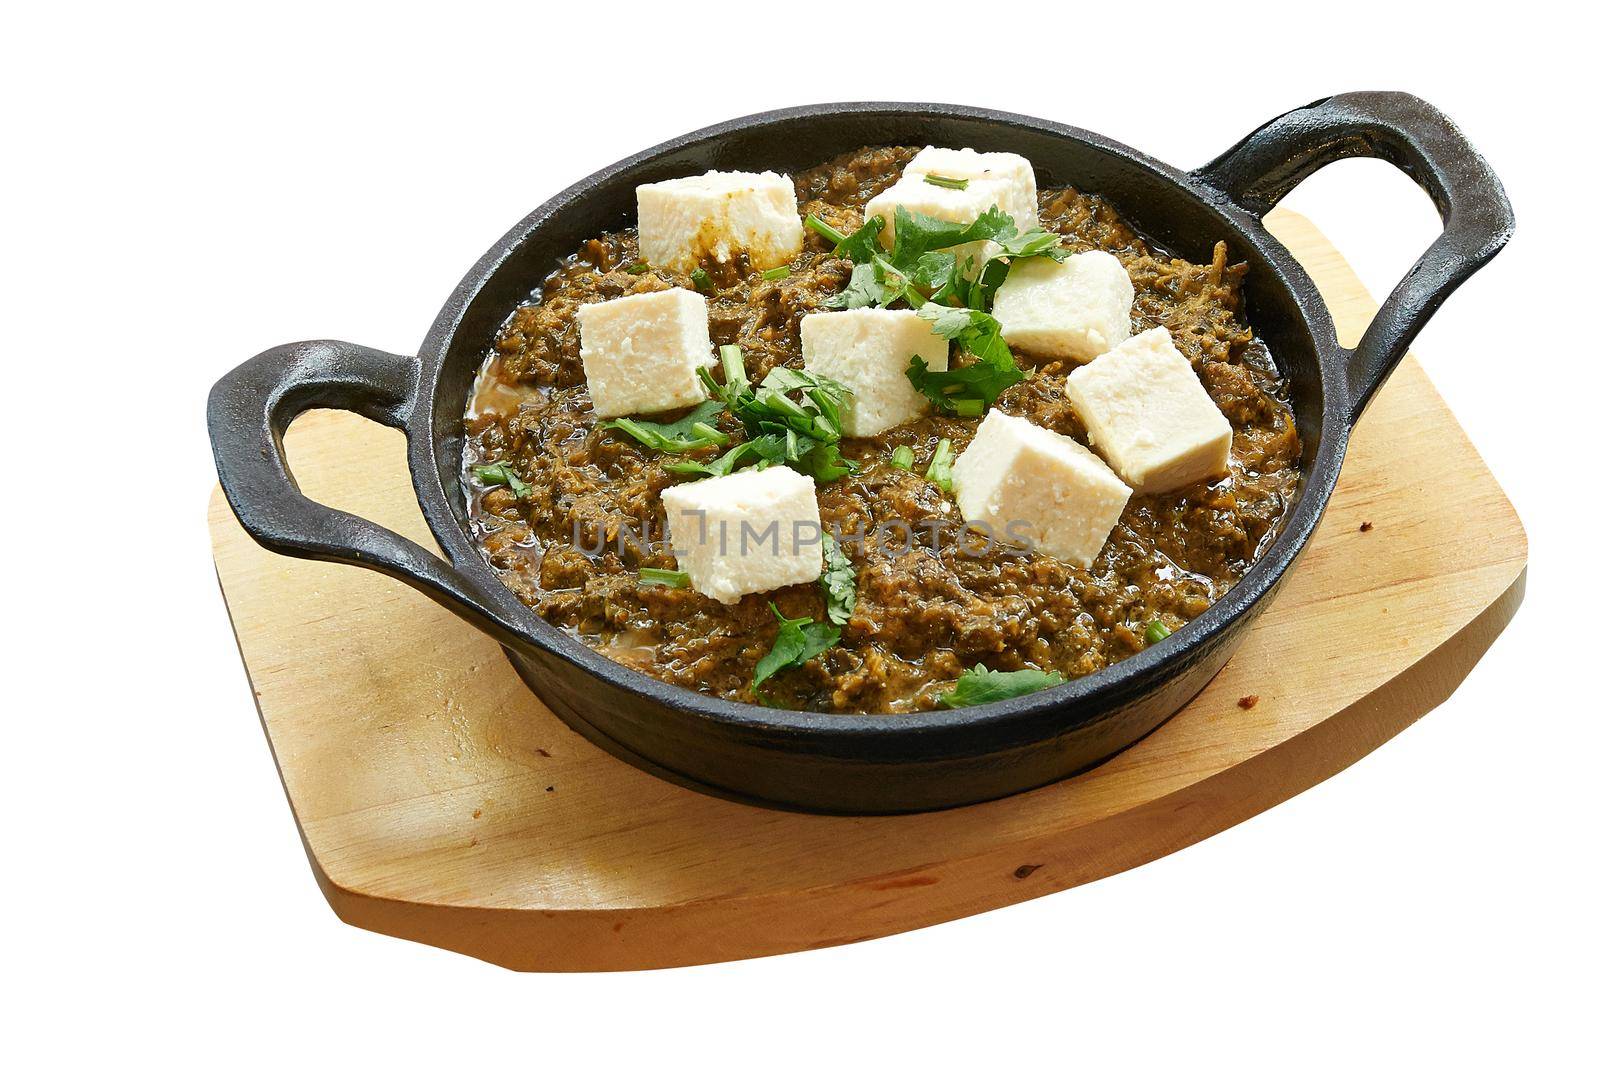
1012 175
1147 412
868 350
1030 486
716 215
640 352
1071 310
748 532
993 178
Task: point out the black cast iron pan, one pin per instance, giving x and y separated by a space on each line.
888 763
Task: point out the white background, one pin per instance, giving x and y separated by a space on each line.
185 187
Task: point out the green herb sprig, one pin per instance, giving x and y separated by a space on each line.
692 433
798 640
970 389
793 417
858 247
502 473
920 265
980 685
838 581
658 576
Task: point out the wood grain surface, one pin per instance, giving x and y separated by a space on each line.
440 801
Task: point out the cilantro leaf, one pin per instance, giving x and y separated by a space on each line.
863 244
1030 244
798 640
944 276
878 282
915 234
825 463
693 432
978 291
971 389
966 391
838 581
502 473
865 289
977 332
762 451
858 247
983 686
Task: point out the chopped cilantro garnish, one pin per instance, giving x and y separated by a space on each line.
919 266
702 280
983 686
501 473
793 417
966 390
838 581
798 640
763 452
776 274
945 183
858 247
637 268
657 576
926 270
693 432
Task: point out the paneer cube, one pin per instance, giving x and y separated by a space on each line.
993 178
716 215
1075 310
1148 414
1011 174
748 532
641 352
1029 486
868 350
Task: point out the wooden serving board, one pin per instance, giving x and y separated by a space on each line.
440 801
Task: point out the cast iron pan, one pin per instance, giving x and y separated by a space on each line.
889 763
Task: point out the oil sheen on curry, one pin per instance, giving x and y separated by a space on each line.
900 432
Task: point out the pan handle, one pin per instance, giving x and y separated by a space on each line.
1414 136
247 414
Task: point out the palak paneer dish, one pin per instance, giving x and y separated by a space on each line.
897 433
